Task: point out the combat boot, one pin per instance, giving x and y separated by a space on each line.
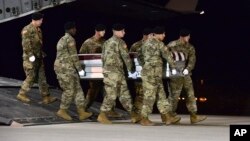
102 118
62 113
48 99
23 97
113 114
82 114
195 118
146 122
169 119
135 117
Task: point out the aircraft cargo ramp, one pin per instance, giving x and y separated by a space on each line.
35 112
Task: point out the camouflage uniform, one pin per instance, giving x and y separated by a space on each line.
32 45
67 66
92 45
114 55
183 82
138 102
152 52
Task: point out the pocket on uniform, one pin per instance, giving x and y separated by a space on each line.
28 65
110 79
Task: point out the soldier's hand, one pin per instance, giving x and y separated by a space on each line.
82 73
174 71
32 58
132 75
185 72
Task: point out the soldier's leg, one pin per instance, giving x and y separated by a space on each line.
191 101
124 95
43 86
112 113
138 102
94 89
30 72
110 85
67 95
79 99
150 89
164 106
176 85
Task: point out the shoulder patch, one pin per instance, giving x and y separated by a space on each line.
165 48
24 32
71 44
171 44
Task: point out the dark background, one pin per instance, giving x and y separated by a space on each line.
220 36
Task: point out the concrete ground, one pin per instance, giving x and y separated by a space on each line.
215 128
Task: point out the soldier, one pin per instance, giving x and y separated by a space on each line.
114 57
68 69
33 61
152 51
94 45
177 83
138 85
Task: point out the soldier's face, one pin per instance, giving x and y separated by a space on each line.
38 23
73 30
120 33
186 38
162 36
102 33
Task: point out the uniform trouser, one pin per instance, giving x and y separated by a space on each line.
34 72
94 88
70 83
138 102
154 91
176 85
116 86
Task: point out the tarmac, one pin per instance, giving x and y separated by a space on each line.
215 128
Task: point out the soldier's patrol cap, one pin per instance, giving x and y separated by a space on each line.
69 25
100 27
147 31
37 16
184 32
118 27
159 30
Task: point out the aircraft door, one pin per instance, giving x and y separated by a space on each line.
26 5
1 10
45 3
12 8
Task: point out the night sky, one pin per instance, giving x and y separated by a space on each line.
220 36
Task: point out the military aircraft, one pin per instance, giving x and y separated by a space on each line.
12 9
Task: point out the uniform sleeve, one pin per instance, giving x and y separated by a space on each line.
166 54
133 48
191 59
125 56
140 57
27 39
73 54
84 48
